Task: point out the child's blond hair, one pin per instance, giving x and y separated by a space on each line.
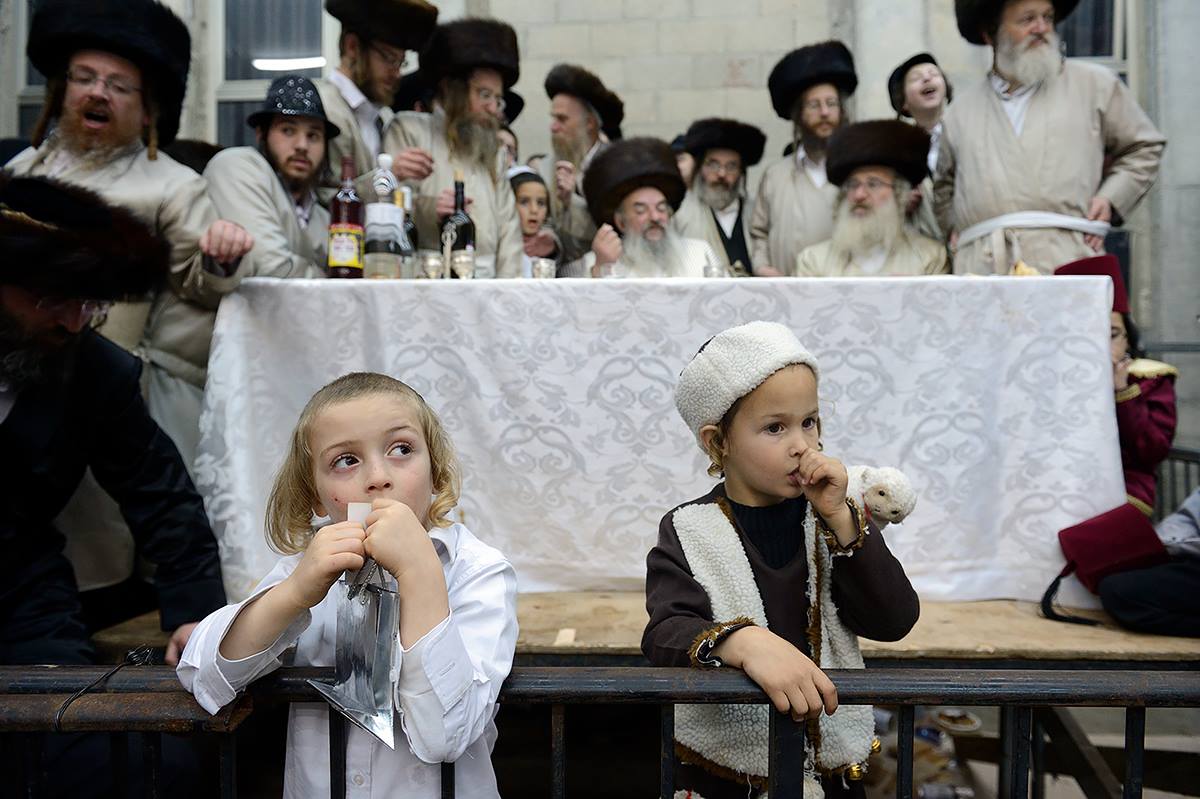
294 495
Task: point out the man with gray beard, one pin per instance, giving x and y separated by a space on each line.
632 190
473 62
875 165
1038 158
715 208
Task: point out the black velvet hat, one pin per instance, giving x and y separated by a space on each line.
882 142
896 81
61 240
292 96
628 165
586 86
976 16
465 44
729 134
406 24
827 62
143 31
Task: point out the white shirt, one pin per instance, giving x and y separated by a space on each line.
935 140
365 111
872 263
815 169
446 684
727 217
1015 103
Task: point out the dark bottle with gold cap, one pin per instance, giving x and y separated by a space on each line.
459 227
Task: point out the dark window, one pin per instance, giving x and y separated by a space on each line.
273 29
1088 32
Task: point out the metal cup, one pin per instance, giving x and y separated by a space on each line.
543 268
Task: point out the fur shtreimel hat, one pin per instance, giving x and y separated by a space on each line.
728 134
466 44
896 81
64 241
586 86
881 142
406 24
142 31
827 62
626 166
976 16
731 365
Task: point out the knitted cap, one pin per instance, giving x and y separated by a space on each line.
731 365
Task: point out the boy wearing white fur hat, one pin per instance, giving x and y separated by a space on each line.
749 575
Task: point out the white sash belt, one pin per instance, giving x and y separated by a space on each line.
1032 219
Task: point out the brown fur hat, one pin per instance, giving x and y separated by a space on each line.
64 241
586 86
729 134
975 17
628 165
465 44
406 24
826 62
143 31
881 142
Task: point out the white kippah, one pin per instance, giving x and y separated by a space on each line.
731 365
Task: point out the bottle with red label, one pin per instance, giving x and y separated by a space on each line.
345 258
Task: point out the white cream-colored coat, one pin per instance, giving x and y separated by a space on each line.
494 209
912 254
790 213
695 220
985 169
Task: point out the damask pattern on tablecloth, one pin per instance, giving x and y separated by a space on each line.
993 394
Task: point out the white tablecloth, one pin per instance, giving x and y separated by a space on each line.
993 394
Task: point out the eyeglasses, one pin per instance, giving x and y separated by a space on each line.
86 79
718 168
871 184
93 311
487 96
389 59
833 104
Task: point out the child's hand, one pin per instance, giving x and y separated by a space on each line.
397 539
790 680
335 548
823 480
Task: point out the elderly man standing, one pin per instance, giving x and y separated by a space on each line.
875 165
632 190
116 78
1038 156
715 208
584 117
473 62
271 188
358 94
794 206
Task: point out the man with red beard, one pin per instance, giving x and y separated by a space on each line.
358 95
1041 155
794 207
271 188
116 76
473 62
715 208
875 166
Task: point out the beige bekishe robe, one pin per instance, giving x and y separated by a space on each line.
494 210
985 169
695 220
790 213
912 254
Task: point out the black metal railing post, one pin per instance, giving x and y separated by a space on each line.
666 752
1037 754
1022 719
904 752
1135 746
227 755
152 762
447 781
785 769
558 752
337 755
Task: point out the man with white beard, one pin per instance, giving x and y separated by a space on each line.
875 165
632 190
1040 156
715 208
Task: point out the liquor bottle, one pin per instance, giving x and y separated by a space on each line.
406 246
385 225
346 214
458 234
410 226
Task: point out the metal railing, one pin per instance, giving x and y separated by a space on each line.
1178 476
149 700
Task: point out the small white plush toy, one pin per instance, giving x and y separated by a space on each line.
885 492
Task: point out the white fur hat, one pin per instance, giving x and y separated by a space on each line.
731 365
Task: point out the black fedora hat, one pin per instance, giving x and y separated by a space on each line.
292 96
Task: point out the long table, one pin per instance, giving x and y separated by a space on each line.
994 395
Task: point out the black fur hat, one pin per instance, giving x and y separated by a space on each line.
976 16
826 62
628 165
579 82
882 142
896 81
406 24
143 31
465 44
729 134
514 104
65 241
